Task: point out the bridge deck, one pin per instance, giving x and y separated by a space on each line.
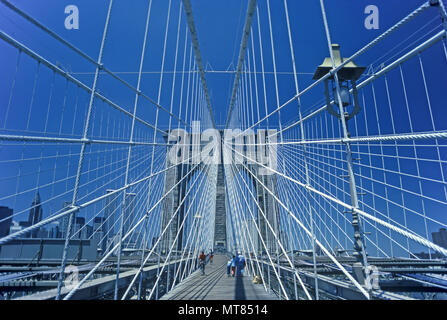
215 285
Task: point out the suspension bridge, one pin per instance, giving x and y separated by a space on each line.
326 172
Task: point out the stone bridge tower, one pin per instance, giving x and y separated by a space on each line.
266 202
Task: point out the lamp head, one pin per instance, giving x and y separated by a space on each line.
350 71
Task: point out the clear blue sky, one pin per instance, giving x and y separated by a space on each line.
219 25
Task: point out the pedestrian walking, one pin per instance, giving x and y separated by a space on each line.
240 264
229 267
202 262
233 266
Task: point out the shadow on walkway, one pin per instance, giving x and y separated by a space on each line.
239 290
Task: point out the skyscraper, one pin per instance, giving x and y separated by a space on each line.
5 221
35 214
98 230
86 232
109 210
440 237
79 223
98 225
53 230
63 224
129 216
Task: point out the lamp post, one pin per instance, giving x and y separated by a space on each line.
337 89
347 75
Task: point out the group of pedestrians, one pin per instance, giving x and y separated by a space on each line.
236 265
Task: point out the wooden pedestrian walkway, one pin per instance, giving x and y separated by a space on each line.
216 285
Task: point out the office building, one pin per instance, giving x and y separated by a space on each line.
440 237
5 221
35 215
110 207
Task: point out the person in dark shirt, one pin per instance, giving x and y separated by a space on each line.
202 262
